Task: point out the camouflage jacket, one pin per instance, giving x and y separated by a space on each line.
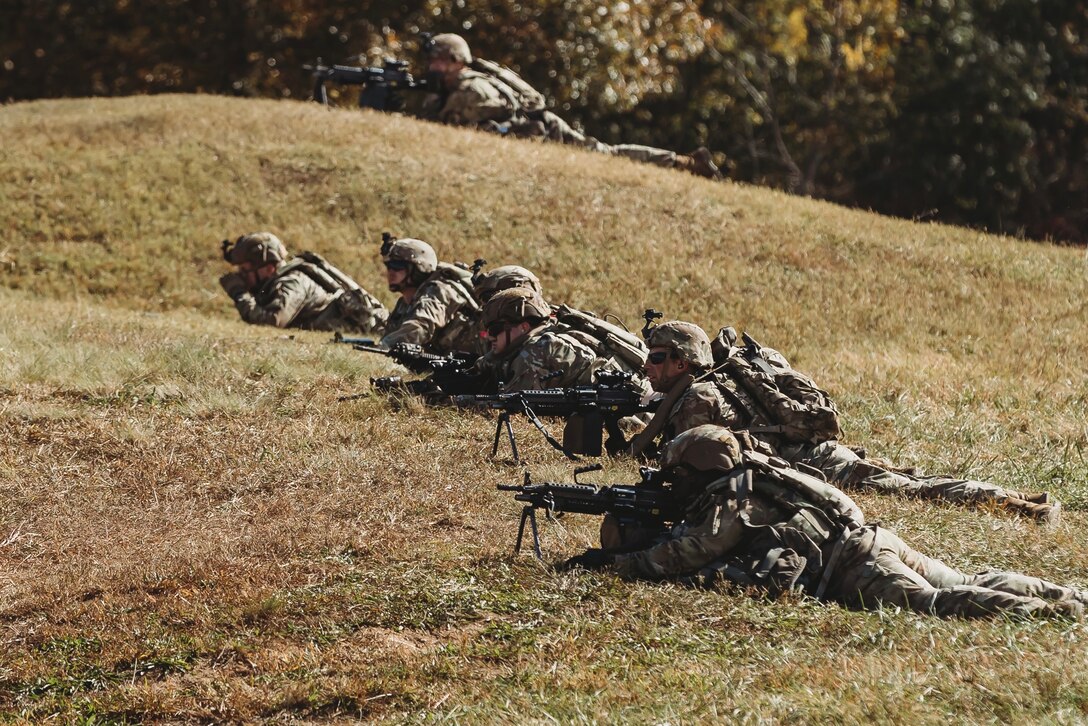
441 318
475 100
547 358
291 300
701 404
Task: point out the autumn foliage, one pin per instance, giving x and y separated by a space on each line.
966 111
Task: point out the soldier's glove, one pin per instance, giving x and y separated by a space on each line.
591 559
234 285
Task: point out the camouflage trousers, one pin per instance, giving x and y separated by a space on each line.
876 568
553 128
848 471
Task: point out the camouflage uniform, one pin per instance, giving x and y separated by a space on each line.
842 467
441 318
479 100
750 537
545 356
509 105
294 297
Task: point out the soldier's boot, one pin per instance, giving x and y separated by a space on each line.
1069 609
699 163
1048 514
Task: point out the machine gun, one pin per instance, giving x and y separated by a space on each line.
381 86
449 374
588 410
415 359
647 504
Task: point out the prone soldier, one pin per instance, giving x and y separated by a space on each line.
799 424
271 288
751 519
436 309
482 94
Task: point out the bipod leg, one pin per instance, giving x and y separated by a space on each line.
504 420
498 432
529 513
514 451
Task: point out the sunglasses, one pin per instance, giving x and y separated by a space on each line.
396 265
496 329
658 357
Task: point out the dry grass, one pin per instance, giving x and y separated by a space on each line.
193 529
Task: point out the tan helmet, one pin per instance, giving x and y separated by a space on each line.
703 448
258 249
688 339
504 278
452 46
419 255
514 306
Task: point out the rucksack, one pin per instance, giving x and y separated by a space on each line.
604 337
777 399
355 304
528 99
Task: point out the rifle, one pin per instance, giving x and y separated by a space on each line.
449 374
415 359
588 410
647 504
380 85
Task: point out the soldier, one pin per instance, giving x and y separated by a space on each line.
752 519
531 351
436 309
800 425
269 288
479 93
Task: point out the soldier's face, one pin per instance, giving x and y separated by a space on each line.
396 277
662 368
503 335
444 68
255 275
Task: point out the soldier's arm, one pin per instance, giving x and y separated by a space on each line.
703 405
717 532
426 315
289 295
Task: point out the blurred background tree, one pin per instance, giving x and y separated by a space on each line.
968 111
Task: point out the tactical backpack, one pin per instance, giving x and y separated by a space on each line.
783 555
602 336
777 399
354 303
527 99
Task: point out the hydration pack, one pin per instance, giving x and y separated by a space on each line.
355 304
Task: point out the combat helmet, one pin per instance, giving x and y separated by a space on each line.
702 449
419 256
257 248
507 277
688 339
515 305
452 46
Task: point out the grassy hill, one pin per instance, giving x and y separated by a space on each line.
192 528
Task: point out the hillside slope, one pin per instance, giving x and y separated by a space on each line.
194 528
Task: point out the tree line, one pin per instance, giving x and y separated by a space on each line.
966 111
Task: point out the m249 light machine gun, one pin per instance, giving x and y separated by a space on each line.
381 85
648 504
589 412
